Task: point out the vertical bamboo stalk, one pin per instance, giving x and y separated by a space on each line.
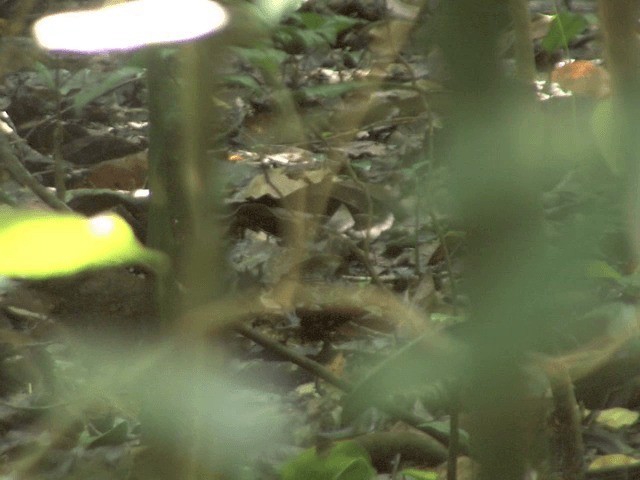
618 22
497 200
186 193
525 61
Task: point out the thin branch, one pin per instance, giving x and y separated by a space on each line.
21 175
317 369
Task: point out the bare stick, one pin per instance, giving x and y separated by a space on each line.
21 175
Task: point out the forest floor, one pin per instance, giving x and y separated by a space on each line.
364 140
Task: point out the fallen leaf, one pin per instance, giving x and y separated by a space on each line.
583 78
617 418
613 460
126 173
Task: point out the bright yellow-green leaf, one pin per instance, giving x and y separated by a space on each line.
612 460
415 474
344 461
617 418
601 269
36 244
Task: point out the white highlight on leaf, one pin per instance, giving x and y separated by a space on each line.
274 11
102 225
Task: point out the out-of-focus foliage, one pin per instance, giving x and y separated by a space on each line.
306 31
564 27
345 461
42 244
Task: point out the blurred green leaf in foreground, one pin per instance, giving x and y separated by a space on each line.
38 244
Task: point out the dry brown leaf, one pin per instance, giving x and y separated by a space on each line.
126 173
583 78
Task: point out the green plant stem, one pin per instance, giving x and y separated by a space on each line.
454 440
21 175
162 155
498 205
618 25
437 227
411 447
300 360
567 423
203 258
447 258
185 195
525 61
366 242
58 160
418 205
162 175
361 254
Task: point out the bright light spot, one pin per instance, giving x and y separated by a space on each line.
129 26
141 193
102 225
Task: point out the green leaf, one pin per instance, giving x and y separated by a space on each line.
117 435
617 418
564 27
310 20
414 473
345 461
601 269
242 81
46 75
263 57
309 30
273 12
36 244
292 39
340 23
119 77
446 318
334 23
444 427
332 90
423 360
329 26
